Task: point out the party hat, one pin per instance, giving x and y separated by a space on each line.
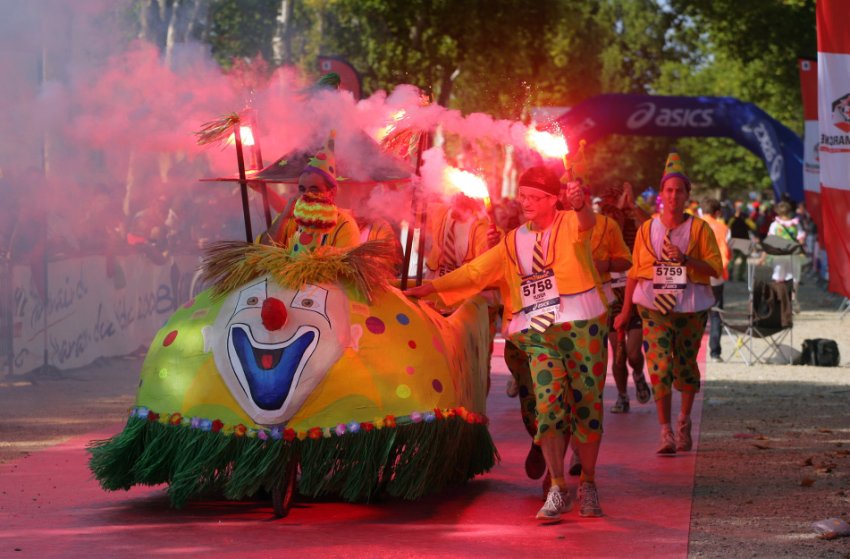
324 162
675 168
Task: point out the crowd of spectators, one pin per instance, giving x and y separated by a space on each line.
100 221
164 219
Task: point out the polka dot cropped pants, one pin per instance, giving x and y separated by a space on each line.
671 344
567 363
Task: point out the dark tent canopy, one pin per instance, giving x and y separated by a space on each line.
359 161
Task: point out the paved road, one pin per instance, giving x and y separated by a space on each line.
50 507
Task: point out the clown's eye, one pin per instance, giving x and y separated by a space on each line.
251 297
311 298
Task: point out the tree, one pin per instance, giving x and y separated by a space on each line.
610 46
282 38
242 29
166 23
745 49
504 56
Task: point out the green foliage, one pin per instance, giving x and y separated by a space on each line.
504 56
241 29
751 47
469 55
631 57
745 49
626 46
634 159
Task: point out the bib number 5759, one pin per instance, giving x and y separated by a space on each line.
669 271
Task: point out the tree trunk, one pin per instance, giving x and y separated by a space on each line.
198 20
172 33
446 82
282 40
154 15
127 205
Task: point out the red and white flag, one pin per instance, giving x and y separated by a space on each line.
833 23
811 141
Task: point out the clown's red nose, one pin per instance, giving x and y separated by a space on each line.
273 314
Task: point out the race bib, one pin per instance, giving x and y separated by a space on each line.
669 278
618 279
539 293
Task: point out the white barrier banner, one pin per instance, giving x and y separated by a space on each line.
91 313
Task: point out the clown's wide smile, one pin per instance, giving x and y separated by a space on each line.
268 372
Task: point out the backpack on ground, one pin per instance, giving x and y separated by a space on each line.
820 352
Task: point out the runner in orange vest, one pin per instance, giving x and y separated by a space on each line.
457 232
619 205
674 256
711 211
558 317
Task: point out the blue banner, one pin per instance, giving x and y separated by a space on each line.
647 115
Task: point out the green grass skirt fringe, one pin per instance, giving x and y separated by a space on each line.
406 461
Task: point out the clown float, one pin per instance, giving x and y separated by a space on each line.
303 369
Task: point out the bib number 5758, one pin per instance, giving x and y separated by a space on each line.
539 286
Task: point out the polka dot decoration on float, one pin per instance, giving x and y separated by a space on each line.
169 338
402 319
438 344
375 325
199 314
437 385
403 391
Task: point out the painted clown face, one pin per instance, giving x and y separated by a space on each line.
273 346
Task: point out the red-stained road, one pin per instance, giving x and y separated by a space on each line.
51 507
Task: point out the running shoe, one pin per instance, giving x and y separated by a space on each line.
557 503
622 405
668 443
588 499
642 390
684 436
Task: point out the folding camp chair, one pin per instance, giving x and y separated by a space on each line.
769 318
